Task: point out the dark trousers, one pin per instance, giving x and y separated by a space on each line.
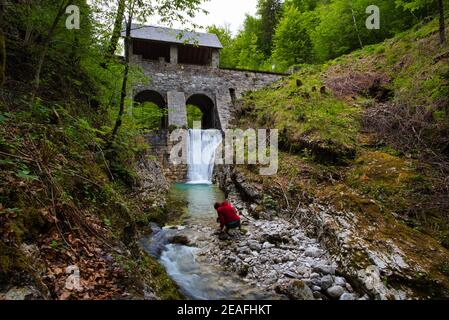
233 225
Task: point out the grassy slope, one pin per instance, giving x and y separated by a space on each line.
330 157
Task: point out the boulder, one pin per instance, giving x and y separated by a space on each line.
179 239
313 252
347 296
267 245
324 269
22 293
340 281
296 290
326 282
335 292
290 274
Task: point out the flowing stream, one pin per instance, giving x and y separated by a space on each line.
188 266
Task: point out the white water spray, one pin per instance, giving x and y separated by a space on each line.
201 154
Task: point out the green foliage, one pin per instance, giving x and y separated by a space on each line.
305 5
148 116
309 122
270 203
292 43
314 31
269 12
246 46
420 8
227 57
194 114
25 174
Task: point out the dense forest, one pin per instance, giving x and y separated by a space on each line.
293 32
363 120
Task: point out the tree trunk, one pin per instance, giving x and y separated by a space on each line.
117 30
29 27
442 24
44 51
2 45
356 27
118 122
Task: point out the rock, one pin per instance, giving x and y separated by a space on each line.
316 288
335 292
347 296
349 287
313 252
296 290
339 281
179 239
274 238
244 250
22 293
223 236
243 270
314 275
308 282
317 295
255 246
326 282
290 274
267 245
302 270
324 269
248 192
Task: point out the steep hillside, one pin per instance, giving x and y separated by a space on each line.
364 158
63 204
70 200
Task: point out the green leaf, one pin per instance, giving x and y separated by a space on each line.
25 174
6 161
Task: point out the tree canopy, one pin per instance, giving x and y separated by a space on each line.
282 34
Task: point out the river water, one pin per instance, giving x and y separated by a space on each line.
187 265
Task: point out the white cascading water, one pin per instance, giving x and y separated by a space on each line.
201 154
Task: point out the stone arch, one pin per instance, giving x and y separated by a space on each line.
207 107
156 98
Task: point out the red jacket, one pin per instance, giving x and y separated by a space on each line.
227 214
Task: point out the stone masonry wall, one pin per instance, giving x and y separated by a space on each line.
213 82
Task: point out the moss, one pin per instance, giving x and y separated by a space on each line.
144 273
306 117
159 281
12 263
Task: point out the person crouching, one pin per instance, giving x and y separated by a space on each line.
227 216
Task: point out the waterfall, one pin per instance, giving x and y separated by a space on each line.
201 155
